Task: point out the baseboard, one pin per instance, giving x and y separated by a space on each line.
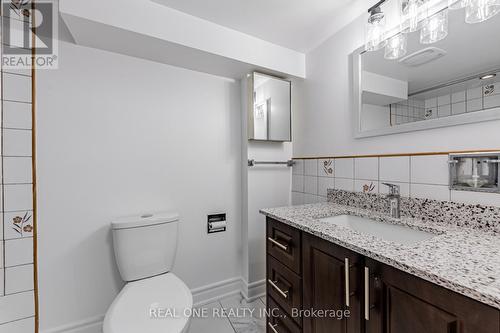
215 291
252 291
89 325
201 296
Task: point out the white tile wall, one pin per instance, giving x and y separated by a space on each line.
474 99
16 88
1 282
474 105
17 299
298 167
492 101
366 186
344 168
326 168
18 252
404 188
16 306
297 198
395 169
423 176
17 170
346 184
17 142
18 279
19 326
430 169
298 183
425 191
366 168
16 115
474 198
21 229
311 168
18 197
311 185
324 183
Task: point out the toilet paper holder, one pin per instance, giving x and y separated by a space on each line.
216 223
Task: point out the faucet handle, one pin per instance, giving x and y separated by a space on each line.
393 188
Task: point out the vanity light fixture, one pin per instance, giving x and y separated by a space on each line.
477 11
396 46
487 76
435 28
457 4
375 29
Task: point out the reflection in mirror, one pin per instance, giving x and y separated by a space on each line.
271 116
448 79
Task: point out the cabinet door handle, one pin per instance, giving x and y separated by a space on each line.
367 293
278 244
272 327
347 288
282 293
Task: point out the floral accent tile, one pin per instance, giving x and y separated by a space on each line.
489 89
326 168
368 188
18 224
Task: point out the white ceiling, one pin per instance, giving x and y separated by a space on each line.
296 24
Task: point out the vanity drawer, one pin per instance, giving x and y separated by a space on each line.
284 286
278 320
284 244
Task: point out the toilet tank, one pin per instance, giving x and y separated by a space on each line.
145 245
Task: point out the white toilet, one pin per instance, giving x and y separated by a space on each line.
154 300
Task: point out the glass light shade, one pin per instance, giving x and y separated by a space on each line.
434 28
375 32
477 11
456 4
413 14
396 46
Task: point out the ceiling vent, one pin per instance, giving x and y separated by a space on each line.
423 56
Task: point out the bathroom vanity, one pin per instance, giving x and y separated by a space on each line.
441 283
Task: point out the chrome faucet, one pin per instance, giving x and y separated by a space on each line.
394 199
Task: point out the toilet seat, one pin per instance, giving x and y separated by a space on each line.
140 307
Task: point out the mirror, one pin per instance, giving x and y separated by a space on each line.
452 81
271 116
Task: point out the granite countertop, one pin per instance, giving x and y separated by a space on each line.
461 259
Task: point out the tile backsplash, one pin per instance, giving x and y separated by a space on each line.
475 98
422 176
17 264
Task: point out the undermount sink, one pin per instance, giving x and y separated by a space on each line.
390 232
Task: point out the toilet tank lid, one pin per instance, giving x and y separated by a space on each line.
144 220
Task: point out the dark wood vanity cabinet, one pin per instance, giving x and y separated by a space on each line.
305 272
331 276
401 302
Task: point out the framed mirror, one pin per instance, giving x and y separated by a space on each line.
270 117
451 81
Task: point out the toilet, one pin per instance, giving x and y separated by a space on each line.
154 300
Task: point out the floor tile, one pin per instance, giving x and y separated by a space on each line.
245 317
211 323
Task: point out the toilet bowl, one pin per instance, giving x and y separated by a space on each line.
154 300
152 305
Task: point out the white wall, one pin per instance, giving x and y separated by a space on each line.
263 186
325 122
119 135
